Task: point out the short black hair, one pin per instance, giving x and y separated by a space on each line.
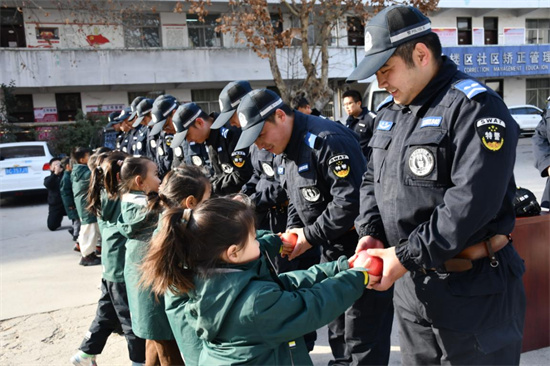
285 107
299 102
79 153
54 159
354 94
431 40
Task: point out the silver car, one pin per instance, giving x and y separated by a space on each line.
23 166
527 116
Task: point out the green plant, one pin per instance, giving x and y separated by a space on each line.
7 130
85 132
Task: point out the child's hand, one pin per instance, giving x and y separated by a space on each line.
289 242
361 259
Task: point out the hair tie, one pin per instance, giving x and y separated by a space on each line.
99 169
120 162
186 216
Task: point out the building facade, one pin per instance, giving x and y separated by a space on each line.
64 60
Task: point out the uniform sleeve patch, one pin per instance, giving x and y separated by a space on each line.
386 101
470 87
239 158
339 165
491 132
310 140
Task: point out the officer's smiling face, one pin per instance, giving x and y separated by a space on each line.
404 82
276 134
198 131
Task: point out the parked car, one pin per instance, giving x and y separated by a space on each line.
527 116
23 166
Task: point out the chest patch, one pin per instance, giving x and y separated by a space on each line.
491 133
421 162
268 169
384 125
196 160
339 165
311 194
303 168
431 122
238 158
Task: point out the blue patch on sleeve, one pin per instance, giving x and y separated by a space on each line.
470 87
385 125
431 122
388 99
281 170
303 168
310 140
224 132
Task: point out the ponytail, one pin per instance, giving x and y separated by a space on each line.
94 191
112 173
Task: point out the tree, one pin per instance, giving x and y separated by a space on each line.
260 25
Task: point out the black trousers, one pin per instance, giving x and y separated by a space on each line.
55 217
362 335
112 309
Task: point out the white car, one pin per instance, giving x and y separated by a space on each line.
527 116
23 166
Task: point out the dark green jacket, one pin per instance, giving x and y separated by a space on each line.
137 225
66 190
80 178
113 243
247 315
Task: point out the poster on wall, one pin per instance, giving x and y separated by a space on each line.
103 109
514 36
174 35
447 36
45 114
478 35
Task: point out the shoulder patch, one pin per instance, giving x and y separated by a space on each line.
224 132
239 158
491 132
470 88
311 140
339 165
384 125
386 101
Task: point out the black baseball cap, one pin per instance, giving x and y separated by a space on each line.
388 29
255 107
184 117
161 108
230 97
144 107
113 119
133 107
124 114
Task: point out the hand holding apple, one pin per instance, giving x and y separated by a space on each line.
374 265
289 242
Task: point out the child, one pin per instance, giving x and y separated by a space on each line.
139 178
89 231
66 190
236 309
112 310
56 211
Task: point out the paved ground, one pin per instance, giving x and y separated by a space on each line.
47 301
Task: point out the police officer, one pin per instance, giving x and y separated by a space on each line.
126 128
111 131
541 150
162 131
143 117
439 190
321 172
138 143
360 119
231 166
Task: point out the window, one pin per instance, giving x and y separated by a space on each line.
490 25
203 34
12 32
537 90
68 105
464 26
356 32
23 110
497 85
537 31
142 31
207 99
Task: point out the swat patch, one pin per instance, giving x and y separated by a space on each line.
268 169
421 162
384 125
227 169
431 122
311 194
491 131
470 87
339 165
238 158
196 160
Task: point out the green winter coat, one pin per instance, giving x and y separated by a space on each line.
247 315
137 225
113 243
80 179
66 191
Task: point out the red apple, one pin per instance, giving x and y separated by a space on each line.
376 263
289 242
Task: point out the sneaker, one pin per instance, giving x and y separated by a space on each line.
90 260
76 247
82 359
